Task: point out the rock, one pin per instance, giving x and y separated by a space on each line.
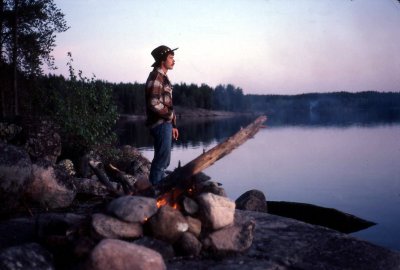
216 211
188 245
15 176
282 243
142 182
110 227
68 166
62 224
252 200
211 187
194 225
91 187
168 224
133 208
165 249
43 141
232 239
29 256
121 255
190 206
51 187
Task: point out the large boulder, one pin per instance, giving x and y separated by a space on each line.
165 249
51 187
252 200
29 256
121 255
15 176
168 224
230 240
216 211
110 227
133 208
188 245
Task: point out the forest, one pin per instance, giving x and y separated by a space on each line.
86 109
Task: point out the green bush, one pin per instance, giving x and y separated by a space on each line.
83 108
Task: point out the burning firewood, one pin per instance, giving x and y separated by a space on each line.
181 176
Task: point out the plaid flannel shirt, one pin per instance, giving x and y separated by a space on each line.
159 107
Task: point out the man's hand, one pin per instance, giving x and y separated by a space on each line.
175 134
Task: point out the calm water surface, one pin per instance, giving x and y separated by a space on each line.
354 169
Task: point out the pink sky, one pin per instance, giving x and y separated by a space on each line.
264 47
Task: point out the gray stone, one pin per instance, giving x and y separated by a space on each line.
15 176
61 224
190 206
216 211
168 224
121 255
51 186
282 243
211 187
252 200
194 225
29 256
133 208
188 245
110 227
165 249
230 240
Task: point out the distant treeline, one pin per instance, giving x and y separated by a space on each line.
318 108
130 97
336 107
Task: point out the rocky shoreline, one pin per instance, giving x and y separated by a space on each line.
49 221
278 243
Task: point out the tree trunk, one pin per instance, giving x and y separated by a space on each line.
181 176
14 58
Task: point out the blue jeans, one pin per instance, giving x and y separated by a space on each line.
162 135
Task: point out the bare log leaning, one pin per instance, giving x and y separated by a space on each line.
180 177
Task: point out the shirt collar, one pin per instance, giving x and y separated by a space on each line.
161 71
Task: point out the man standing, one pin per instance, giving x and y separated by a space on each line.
161 118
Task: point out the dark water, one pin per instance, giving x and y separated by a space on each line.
352 167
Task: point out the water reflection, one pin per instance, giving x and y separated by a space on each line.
193 132
350 165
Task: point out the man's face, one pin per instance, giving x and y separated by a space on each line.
169 62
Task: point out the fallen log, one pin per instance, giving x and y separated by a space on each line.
98 169
181 176
122 178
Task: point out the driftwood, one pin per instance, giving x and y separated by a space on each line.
122 178
98 169
181 176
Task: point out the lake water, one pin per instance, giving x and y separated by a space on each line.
353 168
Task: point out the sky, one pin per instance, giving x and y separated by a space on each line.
261 46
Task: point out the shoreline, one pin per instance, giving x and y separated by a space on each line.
183 112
